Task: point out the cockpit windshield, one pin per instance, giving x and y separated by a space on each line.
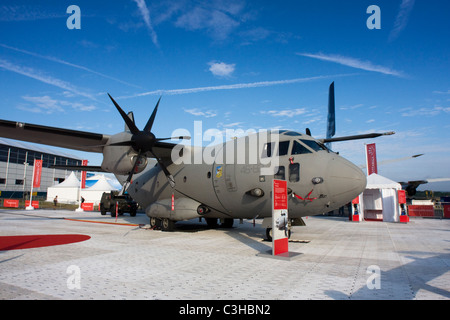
314 145
298 147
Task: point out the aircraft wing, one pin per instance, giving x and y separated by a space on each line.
411 186
66 138
57 137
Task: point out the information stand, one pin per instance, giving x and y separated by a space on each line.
280 222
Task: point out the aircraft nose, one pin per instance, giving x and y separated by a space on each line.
346 181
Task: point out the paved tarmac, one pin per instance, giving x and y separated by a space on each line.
338 260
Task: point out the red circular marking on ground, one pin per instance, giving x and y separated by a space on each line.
37 241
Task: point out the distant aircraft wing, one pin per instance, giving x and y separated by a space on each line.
383 162
411 186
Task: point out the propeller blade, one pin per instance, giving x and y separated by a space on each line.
174 138
123 143
166 172
149 125
128 121
130 176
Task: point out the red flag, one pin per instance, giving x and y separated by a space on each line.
37 173
371 158
83 175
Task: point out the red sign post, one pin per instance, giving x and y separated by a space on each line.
36 181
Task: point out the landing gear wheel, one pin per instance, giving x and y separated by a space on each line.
155 222
269 234
167 225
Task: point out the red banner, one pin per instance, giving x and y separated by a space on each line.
8 203
371 158
37 173
401 196
83 175
34 204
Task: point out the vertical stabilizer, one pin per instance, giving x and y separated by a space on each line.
331 121
131 116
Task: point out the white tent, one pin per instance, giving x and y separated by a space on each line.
67 191
94 193
380 199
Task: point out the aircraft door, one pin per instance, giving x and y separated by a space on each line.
294 170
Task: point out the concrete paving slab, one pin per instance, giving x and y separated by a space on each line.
339 260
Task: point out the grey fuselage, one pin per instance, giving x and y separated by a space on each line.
229 184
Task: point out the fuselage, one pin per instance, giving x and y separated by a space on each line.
234 179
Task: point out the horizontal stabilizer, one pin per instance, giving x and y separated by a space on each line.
357 137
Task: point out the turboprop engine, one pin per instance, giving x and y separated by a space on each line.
122 160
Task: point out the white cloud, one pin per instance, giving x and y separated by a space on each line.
232 86
198 112
48 105
221 69
285 113
354 63
427 112
65 63
145 13
402 18
217 18
34 74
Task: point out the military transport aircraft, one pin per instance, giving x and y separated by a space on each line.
236 183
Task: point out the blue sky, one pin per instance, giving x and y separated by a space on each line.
238 64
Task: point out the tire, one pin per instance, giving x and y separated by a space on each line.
269 234
167 224
155 222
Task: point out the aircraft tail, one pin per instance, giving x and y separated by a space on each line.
331 121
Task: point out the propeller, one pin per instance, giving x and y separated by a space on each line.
143 142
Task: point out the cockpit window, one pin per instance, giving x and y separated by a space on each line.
292 134
283 149
298 148
313 145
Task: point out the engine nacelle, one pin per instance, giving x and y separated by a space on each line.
120 160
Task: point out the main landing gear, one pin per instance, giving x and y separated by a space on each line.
269 234
163 224
166 224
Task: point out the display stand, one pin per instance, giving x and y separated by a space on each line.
280 221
